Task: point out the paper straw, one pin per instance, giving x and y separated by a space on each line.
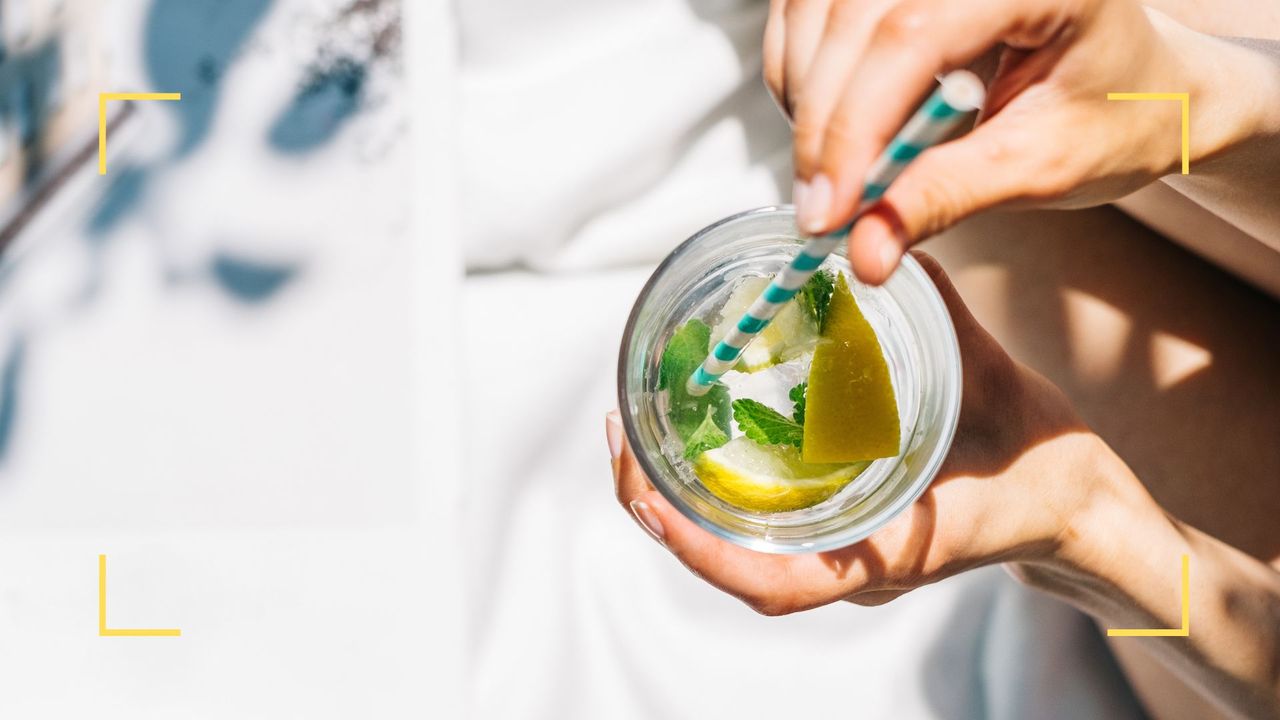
960 93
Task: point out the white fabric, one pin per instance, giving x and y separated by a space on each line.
599 133
594 136
255 468
576 613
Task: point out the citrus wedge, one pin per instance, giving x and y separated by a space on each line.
769 478
851 412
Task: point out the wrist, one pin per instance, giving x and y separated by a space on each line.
1117 556
1234 94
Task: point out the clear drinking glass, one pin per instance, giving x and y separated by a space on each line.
914 330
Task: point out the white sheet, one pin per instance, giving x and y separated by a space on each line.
594 136
272 477
577 614
596 133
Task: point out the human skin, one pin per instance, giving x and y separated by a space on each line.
850 72
1233 94
1029 484
1163 356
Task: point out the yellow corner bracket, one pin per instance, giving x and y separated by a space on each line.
1185 99
105 631
103 99
1185 630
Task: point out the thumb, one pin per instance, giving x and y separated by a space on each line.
943 186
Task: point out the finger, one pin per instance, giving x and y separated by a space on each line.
910 45
988 369
848 27
804 20
629 480
874 598
946 184
775 43
968 329
769 584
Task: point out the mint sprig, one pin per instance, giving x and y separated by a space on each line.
815 296
707 436
766 426
797 396
684 352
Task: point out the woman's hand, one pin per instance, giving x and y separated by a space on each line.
1020 484
850 72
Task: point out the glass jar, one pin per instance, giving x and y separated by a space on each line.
913 327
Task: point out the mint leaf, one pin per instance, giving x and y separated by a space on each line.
707 436
684 352
766 426
815 296
797 396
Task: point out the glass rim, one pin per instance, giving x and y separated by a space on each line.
836 540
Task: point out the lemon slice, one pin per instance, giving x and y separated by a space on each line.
769 478
788 336
851 412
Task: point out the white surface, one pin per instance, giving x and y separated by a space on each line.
595 137
576 613
280 479
274 477
598 133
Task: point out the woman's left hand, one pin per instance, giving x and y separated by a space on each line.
1021 482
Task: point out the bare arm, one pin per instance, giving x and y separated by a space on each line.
850 72
1126 572
1026 482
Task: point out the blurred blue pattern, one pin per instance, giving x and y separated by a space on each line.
10 377
250 280
323 103
189 43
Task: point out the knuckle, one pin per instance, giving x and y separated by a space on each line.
943 200
1052 176
807 137
903 25
837 139
841 123
772 606
795 9
998 148
808 126
844 15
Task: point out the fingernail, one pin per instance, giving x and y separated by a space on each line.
613 433
888 257
799 191
812 212
647 518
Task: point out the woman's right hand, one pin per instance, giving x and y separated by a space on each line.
850 72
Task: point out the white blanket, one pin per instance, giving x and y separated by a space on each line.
576 613
593 137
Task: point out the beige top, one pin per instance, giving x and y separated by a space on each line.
1215 220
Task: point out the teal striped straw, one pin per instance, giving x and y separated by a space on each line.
959 93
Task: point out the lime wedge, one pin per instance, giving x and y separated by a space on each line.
788 336
851 412
769 478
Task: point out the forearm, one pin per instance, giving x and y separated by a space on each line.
1122 564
